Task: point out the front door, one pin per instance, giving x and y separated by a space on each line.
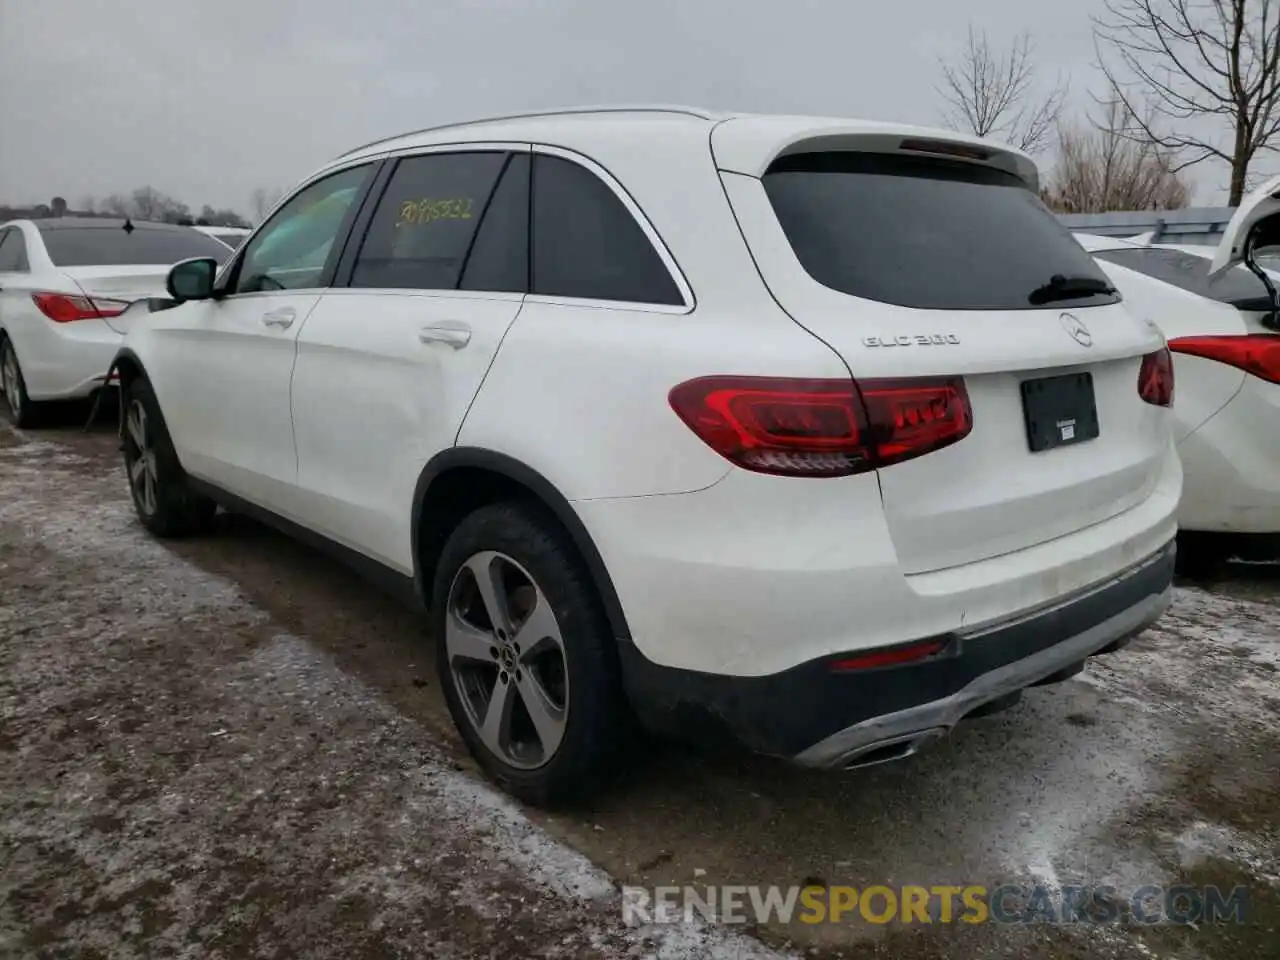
223 366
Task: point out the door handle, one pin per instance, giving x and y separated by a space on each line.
451 332
282 318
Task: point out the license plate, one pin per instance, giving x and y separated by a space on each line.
1059 411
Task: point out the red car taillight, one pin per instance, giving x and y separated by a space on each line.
822 428
66 308
891 657
1155 378
1255 353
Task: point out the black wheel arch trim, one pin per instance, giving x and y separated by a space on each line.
519 472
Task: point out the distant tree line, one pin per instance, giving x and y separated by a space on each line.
145 203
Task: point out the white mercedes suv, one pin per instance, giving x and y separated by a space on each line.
811 435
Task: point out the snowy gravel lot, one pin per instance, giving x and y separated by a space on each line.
231 747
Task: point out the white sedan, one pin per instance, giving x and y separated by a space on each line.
63 284
1227 367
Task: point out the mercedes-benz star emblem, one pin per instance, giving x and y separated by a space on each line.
1079 332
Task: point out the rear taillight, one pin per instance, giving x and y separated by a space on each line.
66 308
1155 378
1255 353
822 428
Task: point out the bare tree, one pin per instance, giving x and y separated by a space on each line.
1198 78
262 200
1100 169
117 205
995 95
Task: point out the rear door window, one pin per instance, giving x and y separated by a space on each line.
424 225
927 233
1191 273
112 245
586 243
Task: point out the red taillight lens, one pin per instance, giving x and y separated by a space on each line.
822 428
1155 379
1255 353
891 657
65 308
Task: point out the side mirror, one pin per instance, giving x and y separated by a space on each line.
192 279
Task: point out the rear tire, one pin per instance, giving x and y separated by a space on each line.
535 688
1201 557
22 413
162 497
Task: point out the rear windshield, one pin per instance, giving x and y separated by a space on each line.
1237 286
927 233
110 246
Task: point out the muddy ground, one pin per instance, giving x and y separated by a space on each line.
232 747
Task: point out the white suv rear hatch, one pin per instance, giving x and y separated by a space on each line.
939 260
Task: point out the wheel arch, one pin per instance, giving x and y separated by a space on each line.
458 480
128 365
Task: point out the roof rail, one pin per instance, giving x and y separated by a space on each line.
698 112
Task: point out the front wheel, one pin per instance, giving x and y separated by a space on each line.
162 498
525 655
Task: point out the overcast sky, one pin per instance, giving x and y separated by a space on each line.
208 100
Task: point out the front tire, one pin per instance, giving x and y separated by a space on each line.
525 655
22 412
162 498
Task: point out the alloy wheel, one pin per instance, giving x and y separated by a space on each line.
507 659
140 458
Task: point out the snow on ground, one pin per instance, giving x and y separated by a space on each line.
83 522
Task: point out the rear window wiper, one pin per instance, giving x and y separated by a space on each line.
1061 287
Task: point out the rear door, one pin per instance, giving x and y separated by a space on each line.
388 366
912 263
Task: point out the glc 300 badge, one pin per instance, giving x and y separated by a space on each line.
912 340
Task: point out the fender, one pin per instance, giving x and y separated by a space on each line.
544 490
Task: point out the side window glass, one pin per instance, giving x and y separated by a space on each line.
499 258
291 250
13 251
422 229
587 244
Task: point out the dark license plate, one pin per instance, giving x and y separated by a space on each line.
1059 411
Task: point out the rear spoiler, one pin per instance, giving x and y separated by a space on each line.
750 145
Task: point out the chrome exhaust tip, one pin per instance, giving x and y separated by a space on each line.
887 751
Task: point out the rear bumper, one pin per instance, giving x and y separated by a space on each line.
822 718
64 362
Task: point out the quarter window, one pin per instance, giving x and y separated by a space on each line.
586 243
291 251
499 258
424 225
13 251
